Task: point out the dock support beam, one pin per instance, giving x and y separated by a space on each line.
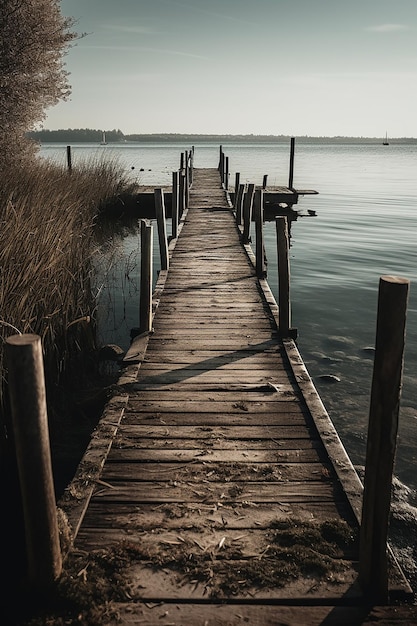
382 436
291 172
30 427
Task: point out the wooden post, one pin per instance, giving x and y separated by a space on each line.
162 229
239 204
145 307
247 212
191 166
264 181
187 181
226 173
182 161
220 158
181 193
30 427
174 204
291 173
236 188
284 302
382 435
69 158
259 230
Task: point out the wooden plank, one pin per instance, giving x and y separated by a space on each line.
292 415
304 451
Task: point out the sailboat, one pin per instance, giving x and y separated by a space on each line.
385 142
103 140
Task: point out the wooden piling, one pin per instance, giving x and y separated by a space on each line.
239 203
247 212
181 193
162 230
187 180
264 181
236 188
382 435
174 204
146 270
69 158
226 173
258 208
284 302
291 172
30 426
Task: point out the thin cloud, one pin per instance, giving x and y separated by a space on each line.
387 28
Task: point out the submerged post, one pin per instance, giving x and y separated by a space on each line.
382 435
162 229
284 302
30 427
145 306
291 172
258 208
247 212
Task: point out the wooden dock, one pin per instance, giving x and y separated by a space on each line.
216 475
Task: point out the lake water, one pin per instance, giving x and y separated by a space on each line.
365 226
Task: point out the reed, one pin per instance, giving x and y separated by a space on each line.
47 226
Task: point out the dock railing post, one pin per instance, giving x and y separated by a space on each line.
146 270
259 230
174 204
247 212
291 172
191 166
30 427
382 436
162 230
264 181
284 302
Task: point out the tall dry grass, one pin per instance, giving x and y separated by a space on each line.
47 243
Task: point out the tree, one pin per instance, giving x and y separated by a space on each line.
34 37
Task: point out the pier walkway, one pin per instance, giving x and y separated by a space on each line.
225 492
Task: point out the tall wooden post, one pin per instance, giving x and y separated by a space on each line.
264 181
30 427
69 158
226 173
181 193
291 172
174 204
187 181
382 435
162 230
239 204
258 208
146 270
284 302
236 187
247 212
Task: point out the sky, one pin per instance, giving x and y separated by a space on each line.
268 67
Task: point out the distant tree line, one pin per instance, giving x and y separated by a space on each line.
76 135
89 135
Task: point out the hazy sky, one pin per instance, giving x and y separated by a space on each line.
293 67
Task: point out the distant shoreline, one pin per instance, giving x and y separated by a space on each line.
113 136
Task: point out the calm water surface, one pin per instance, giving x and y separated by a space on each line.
365 226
